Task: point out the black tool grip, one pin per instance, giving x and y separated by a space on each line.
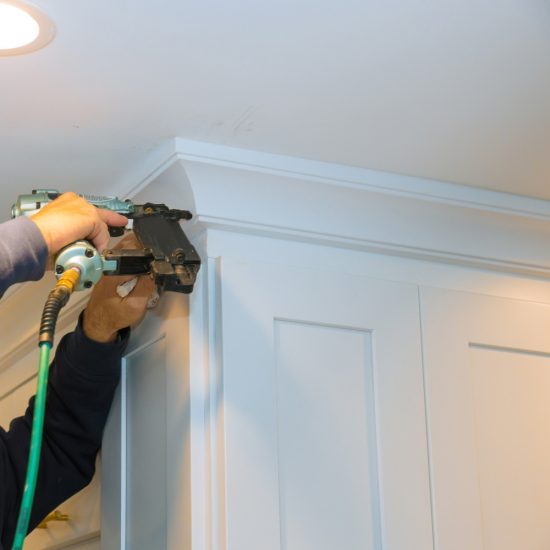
116 231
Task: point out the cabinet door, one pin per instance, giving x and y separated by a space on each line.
323 412
145 473
488 385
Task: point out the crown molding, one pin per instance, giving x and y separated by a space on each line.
317 202
354 177
179 149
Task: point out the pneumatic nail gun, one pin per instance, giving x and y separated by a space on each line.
166 252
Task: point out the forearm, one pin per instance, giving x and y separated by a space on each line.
23 253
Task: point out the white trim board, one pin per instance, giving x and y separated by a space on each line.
179 149
291 198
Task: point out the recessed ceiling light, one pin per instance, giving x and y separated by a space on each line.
23 28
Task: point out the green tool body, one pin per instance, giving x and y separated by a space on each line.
31 203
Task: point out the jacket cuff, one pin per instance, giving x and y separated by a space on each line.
96 359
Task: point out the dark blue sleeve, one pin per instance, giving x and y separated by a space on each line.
81 384
23 252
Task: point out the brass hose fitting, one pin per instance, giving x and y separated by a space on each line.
69 279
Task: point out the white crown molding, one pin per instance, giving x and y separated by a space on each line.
316 202
354 177
179 149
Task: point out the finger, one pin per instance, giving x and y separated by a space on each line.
112 218
100 236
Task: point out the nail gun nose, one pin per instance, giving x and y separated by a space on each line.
181 274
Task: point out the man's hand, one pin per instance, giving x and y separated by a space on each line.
107 312
70 218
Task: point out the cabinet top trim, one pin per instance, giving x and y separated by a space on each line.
180 149
343 206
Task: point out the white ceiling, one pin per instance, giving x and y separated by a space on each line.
451 90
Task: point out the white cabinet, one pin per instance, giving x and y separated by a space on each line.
285 408
488 385
323 411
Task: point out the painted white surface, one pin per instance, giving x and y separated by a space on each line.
193 181
145 466
351 176
323 412
326 417
145 454
451 90
486 362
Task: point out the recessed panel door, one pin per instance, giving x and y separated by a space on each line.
488 385
323 411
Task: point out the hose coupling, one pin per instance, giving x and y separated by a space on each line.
57 299
69 279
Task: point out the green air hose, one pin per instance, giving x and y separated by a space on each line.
36 445
57 298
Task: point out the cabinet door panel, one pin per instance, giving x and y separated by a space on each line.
488 381
327 437
325 442
145 469
145 483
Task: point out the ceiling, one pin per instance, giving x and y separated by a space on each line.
443 89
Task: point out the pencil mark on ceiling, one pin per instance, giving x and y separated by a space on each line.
244 123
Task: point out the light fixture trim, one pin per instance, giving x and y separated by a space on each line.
46 28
